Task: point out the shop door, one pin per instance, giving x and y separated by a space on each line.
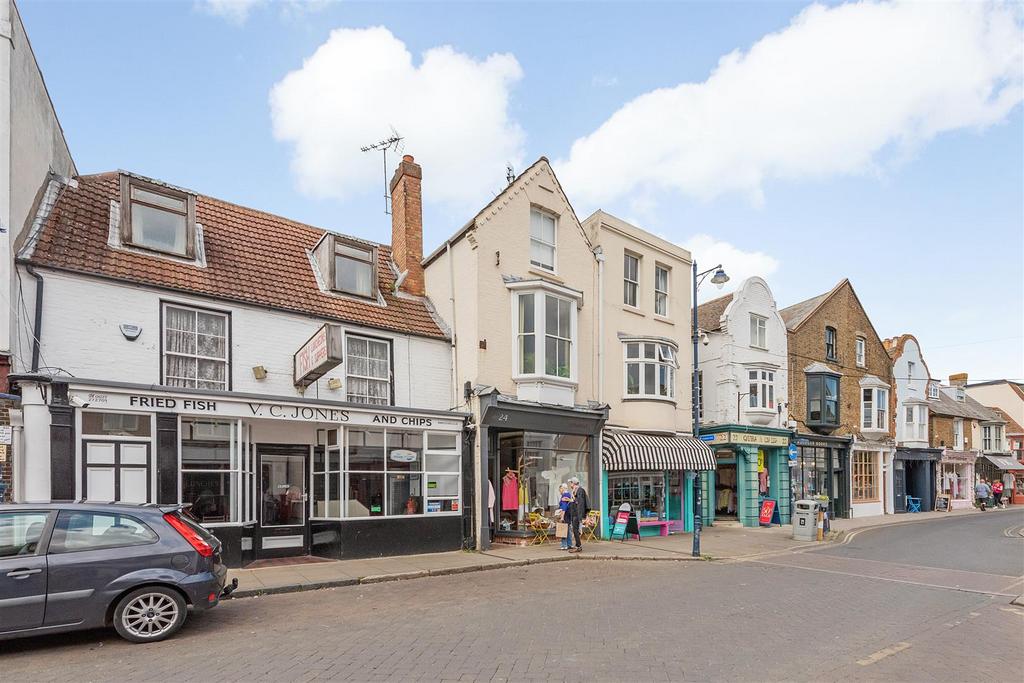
283 531
899 486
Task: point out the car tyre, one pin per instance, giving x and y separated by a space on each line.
150 614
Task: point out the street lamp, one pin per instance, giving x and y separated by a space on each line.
718 279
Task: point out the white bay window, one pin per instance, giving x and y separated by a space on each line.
545 335
650 369
761 388
875 408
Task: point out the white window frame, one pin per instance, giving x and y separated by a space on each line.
553 267
540 333
861 352
922 423
349 375
630 286
874 410
164 353
242 471
661 295
958 433
933 390
986 437
758 331
760 388
665 356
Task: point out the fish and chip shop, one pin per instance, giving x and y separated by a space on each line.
270 477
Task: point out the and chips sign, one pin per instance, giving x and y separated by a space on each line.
318 355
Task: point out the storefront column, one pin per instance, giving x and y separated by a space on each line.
747 485
688 478
605 531
707 494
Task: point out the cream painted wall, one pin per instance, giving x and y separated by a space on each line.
1000 396
615 238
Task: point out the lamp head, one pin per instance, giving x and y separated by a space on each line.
719 278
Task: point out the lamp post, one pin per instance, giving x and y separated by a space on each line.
719 278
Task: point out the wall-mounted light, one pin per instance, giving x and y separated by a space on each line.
334 383
131 332
259 372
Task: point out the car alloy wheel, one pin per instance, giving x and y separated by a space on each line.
150 614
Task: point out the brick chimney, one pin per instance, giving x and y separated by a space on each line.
958 380
407 224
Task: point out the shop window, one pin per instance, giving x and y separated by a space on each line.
542 316
650 369
327 476
865 477
532 465
217 476
644 491
761 388
823 400
758 331
117 424
368 370
630 279
543 228
661 290
875 408
157 217
953 481
196 347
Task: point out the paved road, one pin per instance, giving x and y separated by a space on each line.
837 614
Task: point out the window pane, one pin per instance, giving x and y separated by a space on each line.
551 356
528 353
542 226
442 441
20 532
210 493
660 304
159 229
831 388
542 255
353 252
365 450
442 484
405 494
175 203
365 494
564 318
551 314
632 378
629 293
116 424
92 530
564 363
663 380
320 495
649 370
355 277
526 311
632 350
443 462
196 455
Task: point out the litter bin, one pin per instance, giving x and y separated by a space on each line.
805 520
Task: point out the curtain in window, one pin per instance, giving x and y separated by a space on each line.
369 371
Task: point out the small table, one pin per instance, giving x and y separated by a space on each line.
664 524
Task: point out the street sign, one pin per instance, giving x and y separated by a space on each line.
707 437
793 451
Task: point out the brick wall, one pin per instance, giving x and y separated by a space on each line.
940 432
407 224
807 345
7 462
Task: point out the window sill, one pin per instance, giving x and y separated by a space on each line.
658 399
548 379
664 319
549 274
634 310
758 348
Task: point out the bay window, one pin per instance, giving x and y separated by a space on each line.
368 370
823 400
761 388
992 438
875 408
650 369
545 334
196 344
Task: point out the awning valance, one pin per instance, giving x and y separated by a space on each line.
632 451
1004 462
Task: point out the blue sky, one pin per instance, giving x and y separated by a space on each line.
870 159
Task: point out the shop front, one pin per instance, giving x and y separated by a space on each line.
752 467
270 477
530 449
956 478
822 468
1006 469
913 479
654 475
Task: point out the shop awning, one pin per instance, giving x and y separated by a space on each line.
632 451
1004 462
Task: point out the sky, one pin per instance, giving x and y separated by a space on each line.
881 142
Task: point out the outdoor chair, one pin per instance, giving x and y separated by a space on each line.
913 504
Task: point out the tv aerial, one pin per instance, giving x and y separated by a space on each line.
394 143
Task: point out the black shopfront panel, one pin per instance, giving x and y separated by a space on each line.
364 538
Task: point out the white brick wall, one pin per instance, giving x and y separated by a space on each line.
80 333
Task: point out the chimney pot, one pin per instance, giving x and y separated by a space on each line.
408 158
958 380
407 224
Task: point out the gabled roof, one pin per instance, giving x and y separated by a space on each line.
968 408
251 257
1012 427
709 313
894 347
1017 387
795 315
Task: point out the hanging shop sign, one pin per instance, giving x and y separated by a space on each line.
319 354
220 407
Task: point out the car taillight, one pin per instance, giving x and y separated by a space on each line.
189 534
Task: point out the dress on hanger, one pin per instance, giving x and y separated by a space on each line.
510 492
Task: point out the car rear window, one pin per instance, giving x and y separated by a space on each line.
76 531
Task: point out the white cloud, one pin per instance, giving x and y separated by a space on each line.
832 94
738 264
234 11
451 108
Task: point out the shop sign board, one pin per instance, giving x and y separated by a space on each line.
403 455
300 412
770 512
746 438
942 503
621 517
5 434
318 355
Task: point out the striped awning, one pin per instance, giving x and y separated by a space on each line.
632 451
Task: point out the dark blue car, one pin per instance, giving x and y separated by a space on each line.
139 568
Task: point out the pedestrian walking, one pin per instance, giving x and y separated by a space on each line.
981 493
997 493
578 511
564 501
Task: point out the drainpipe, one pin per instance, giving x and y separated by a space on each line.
451 300
38 328
599 255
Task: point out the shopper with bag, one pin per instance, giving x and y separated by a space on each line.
578 511
997 493
562 516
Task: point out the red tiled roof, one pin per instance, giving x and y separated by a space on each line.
1011 425
709 313
251 257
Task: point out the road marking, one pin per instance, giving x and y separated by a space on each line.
1011 609
882 654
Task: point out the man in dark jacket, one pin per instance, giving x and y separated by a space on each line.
578 510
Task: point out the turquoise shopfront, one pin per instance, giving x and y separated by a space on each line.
654 474
752 466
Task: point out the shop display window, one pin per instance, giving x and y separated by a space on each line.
532 465
217 476
644 491
955 481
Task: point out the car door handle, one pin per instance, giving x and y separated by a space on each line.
22 573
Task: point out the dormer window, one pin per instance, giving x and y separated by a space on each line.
959 394
347 266
933 390
158 218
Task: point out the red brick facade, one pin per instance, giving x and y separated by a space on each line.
407 224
